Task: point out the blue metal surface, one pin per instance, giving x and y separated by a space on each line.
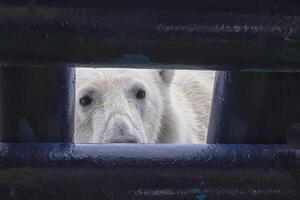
124 171
254 108
37 104
231 34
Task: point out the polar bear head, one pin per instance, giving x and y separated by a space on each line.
120 105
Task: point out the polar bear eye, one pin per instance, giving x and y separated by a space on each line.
85 101
140 94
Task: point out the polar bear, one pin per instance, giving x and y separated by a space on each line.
141 105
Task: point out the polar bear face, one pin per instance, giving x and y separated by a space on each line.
120 105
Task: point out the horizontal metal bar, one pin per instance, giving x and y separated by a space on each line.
124 171
221 35
246 6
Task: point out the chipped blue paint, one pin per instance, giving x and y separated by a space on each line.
134 59
25 132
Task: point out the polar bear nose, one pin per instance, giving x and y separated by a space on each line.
120 130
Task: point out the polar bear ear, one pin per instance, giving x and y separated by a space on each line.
166 75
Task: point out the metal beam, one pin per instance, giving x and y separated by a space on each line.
124 171
199 34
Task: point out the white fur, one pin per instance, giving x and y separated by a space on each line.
175 109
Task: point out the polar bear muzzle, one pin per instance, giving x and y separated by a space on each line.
120 129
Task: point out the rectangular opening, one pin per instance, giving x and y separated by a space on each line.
129 105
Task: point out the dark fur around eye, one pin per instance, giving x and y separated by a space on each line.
85 101
140 94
